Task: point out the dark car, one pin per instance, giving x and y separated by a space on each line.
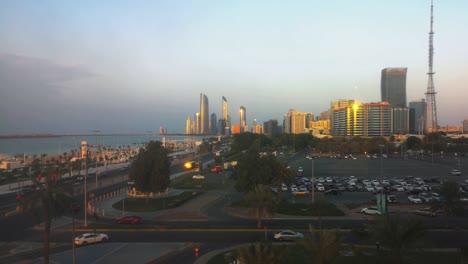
130 219
332 192
415 192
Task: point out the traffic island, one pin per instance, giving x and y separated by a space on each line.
155 204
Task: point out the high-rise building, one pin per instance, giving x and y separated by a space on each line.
296 122
271 127
465 126
188 126
213 124
225 109
196 123
242 118
417 121
373 119
335 105
401 120
204 115
393 86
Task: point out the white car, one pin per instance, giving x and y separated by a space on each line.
414 199
329 179
284 188
466 181
375 182
399 188
369 188
90 238
198 177
366 182
287 235
274 188
320 187
455 172
370 211
300 169
294 188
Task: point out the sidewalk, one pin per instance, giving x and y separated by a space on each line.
14 186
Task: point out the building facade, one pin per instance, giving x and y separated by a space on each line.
271 127
367 120
393 86
204 115
401 120
417 118
242 118
465 126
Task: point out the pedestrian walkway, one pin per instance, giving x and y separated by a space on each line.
15 186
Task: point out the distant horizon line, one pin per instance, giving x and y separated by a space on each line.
46 135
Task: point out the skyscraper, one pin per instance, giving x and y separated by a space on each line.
213 124
188 126
393 86
225 109
204 115
417 116
243 118
400 121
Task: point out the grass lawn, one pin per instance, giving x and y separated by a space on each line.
155 204
296 254
186 182
320 208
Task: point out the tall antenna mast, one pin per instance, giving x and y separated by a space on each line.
431 111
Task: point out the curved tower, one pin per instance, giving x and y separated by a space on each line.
204 115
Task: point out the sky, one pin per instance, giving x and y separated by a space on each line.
131 66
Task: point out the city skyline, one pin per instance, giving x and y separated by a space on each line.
78 67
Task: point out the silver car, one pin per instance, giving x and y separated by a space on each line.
287 235
90 238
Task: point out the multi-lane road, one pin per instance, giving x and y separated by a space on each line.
225 230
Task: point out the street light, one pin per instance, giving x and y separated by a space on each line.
313 182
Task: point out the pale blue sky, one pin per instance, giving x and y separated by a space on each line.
131 66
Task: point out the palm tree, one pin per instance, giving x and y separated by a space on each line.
49 203
397 236
261 201
262 253
324 245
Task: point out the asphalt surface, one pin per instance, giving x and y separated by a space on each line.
213 235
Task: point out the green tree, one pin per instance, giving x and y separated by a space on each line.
413 143
400 237
151 169
262 253
47 204
450 195
324 245
262 202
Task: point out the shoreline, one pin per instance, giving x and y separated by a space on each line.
12 136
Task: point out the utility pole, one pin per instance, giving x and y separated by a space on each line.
313 182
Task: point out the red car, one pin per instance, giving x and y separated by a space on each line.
130 219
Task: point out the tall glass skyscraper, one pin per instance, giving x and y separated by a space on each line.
417 116
393 86
243 117
204 115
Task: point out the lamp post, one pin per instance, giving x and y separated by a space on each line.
313 182
381 161
86 192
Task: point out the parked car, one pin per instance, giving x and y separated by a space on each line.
455 172
90 238
274 188
294 188
369 188
198 177
130 219
284 188
287 235
320 187
370 211
414 199
425 211
301 193
391 199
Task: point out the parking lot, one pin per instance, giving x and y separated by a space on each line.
367 176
